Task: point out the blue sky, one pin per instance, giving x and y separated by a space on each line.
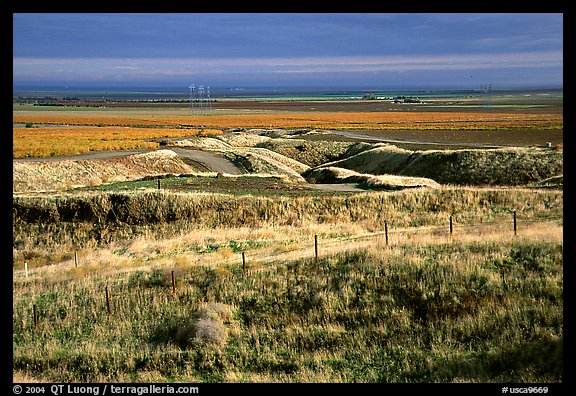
316 49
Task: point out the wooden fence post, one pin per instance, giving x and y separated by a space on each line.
26 269
386 231
451 229
316 247
515 222
243 264
158 183
76 258
108 301
35 316
173 284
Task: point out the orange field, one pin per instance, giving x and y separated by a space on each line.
53 141
77 133
377 120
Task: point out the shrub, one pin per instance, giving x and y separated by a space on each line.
207 327
210 331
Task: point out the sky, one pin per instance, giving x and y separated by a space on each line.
376 50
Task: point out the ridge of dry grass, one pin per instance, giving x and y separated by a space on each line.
47 226
332 174
506 166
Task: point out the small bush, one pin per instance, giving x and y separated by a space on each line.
216 310
207 327
210 331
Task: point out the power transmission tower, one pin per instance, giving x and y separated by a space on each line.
486 96
192 98
208 101
200 101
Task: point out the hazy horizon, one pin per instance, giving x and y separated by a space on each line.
215 93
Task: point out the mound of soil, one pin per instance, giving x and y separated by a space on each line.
383 182
513 166
66 174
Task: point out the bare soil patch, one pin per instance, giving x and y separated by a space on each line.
434 139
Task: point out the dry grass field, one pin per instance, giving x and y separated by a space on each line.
438 266
480 305
58 141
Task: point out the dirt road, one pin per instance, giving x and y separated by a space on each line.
382 139
207 161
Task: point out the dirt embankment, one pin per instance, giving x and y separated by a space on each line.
507 166
65 174
383 182
96 168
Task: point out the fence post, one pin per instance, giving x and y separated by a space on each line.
173 284
35 316
108 301
316 247
243 264
76 258
26 269
386 231
515 222
158 183
451 229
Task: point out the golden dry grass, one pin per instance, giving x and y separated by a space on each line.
21 377
52 141
331 174
438 271
429 300
270 245
502 166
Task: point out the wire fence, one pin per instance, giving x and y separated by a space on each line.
390 235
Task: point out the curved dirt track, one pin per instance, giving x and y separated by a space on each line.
203 160
206 160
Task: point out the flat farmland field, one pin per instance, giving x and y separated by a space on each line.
439 138
48 141
339 120
38 128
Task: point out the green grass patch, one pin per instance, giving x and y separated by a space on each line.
421 314
237 185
